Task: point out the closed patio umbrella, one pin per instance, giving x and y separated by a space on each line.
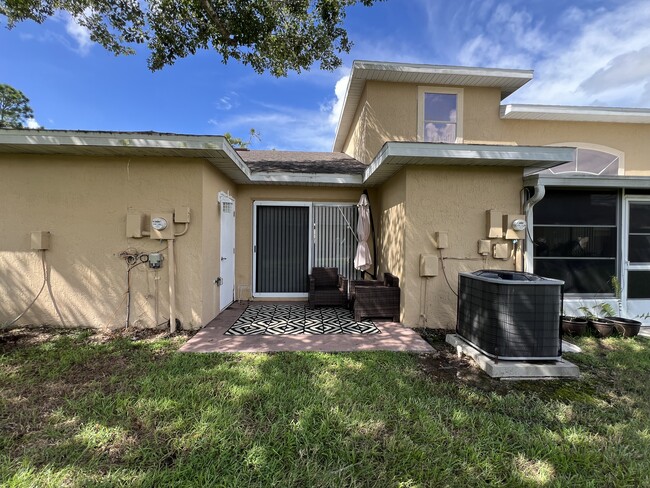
363 260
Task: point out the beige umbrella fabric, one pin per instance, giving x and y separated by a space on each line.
363 260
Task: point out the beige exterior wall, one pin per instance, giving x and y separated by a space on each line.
248 194
420 201
389 112
391 231
452 200
83 202
384 114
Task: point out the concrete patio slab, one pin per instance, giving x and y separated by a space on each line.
514 370
392 337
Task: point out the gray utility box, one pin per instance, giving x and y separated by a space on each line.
511 315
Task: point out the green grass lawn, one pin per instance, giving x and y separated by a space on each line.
75 411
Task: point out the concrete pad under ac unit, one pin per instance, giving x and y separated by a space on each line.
514 370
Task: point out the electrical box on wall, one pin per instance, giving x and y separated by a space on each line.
484 247
428 265
182 215
155 260
514 226
162 226
442 240
494 224
134 224
40 240
500 251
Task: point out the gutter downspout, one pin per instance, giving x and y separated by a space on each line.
540 191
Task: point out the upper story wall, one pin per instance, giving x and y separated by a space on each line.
389 112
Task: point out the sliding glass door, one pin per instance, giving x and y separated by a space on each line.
291 237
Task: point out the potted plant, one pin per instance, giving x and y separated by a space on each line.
599 318
574 326
626 327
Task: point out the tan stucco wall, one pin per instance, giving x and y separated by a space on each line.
213 182
452 200
248 194
384 114
83 202
391 231
389 112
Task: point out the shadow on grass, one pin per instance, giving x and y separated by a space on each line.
80 413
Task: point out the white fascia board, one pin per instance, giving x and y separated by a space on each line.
214 145
466 154
236 159
575 114
589 181
306 178
110 139
433 69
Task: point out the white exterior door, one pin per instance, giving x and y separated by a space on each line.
636 258
227 250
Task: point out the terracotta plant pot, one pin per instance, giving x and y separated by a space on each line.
626 327
603 327
574 326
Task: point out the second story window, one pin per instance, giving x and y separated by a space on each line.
440 112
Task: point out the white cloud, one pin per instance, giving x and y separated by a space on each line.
509 38
224 103
227 102
79 34
33 124
280 127
585 57
287 127
622 71
336 104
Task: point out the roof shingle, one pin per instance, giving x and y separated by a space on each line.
301 162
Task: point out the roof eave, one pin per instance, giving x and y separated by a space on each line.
567 113
589 181
395 155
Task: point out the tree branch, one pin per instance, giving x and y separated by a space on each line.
214 17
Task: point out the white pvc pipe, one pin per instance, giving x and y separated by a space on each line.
172 286
527 255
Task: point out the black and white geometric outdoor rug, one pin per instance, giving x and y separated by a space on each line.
277 319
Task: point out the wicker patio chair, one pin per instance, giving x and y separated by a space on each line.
377 301
327 288
353 287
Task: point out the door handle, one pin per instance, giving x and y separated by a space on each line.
223 259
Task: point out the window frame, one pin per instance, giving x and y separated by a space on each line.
459 92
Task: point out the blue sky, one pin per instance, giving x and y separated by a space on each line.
589 52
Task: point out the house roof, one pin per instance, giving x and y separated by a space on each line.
260 167
576 114
301 162
215 149
507 80
279 167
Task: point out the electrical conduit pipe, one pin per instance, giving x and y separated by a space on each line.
172 286
540 191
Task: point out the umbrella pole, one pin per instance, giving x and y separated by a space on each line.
374 240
